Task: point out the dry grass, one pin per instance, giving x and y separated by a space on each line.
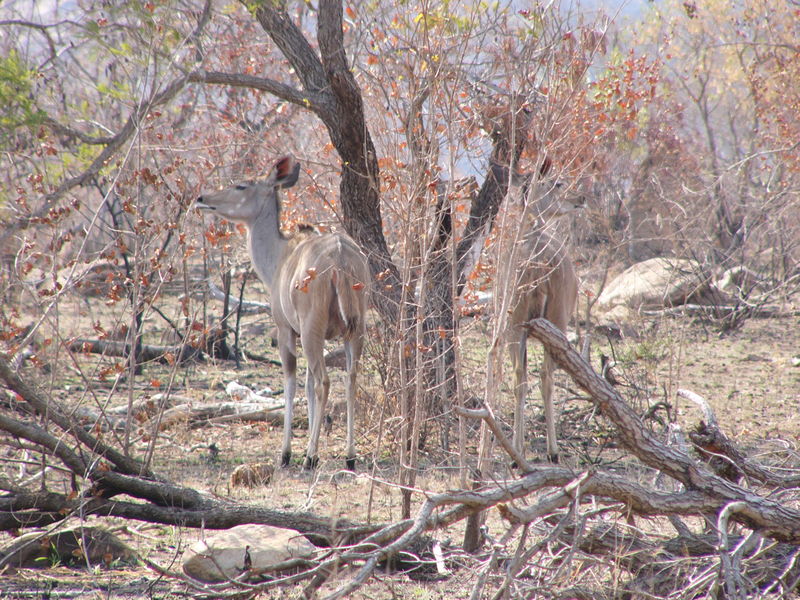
749 378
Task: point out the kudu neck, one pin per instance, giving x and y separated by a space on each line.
267 246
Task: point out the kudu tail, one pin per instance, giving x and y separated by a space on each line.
351 296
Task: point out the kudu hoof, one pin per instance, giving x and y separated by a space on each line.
553 458
286 459
311 463
350 464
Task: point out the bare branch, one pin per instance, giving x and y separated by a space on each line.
709 439
43 29
44 405
487 415
316 102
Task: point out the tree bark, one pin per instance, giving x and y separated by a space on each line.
330 90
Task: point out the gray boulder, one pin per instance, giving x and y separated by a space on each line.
234 552
658 283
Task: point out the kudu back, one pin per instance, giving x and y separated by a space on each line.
318 286
546 286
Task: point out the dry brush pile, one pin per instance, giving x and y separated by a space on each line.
587 533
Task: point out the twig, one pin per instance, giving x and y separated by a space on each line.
730 574
487 415
708 412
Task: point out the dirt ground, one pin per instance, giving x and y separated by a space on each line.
749 377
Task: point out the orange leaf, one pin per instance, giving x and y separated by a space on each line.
312 273
350 12
358 286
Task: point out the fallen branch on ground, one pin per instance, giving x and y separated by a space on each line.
182 354
768 517
101 476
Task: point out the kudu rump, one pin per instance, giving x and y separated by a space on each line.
318 286
545 286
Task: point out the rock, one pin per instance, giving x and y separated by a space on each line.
37 550
252 475
223 556
659 283
656 282
242 393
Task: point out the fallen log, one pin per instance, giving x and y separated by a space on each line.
182 354
248 307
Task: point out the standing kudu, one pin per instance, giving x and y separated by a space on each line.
318 289
546 286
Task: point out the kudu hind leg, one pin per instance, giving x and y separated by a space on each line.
317 393
287 347
352 350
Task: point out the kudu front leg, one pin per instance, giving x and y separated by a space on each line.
315 413
320 394
549 410
519 362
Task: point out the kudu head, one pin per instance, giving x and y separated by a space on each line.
245 202
545 197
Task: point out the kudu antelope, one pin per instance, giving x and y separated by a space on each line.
318 289
546 286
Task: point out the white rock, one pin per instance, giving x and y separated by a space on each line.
222 555
653 283
242 393
660 283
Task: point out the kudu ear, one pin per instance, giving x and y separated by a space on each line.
286 172
547 164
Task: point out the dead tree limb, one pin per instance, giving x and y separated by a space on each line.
658 568
724 457
103 477
182 354
247 307
43 405
770 518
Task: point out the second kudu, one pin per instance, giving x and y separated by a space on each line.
318 291
546 286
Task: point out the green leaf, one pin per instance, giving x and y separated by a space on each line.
17 108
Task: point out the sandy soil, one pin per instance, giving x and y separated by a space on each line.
749 377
